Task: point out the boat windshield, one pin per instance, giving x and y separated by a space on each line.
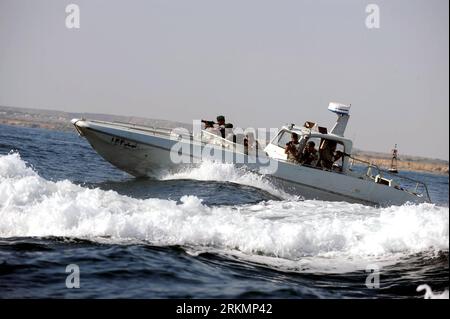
283 138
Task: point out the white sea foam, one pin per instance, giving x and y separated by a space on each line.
289 229
214 171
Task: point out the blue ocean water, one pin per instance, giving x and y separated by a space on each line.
211 232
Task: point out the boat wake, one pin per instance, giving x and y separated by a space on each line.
286 233
215 171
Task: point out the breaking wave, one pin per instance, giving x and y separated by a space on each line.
214 171
288 229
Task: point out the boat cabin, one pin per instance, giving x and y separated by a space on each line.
322 139
276 147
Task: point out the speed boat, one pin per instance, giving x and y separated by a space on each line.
144 151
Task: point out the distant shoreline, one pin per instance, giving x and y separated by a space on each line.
58 120
407 165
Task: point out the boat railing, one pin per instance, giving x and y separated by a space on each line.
381 173
209 137
164 131
205 136
151 129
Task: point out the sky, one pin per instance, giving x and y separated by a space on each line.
261 63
